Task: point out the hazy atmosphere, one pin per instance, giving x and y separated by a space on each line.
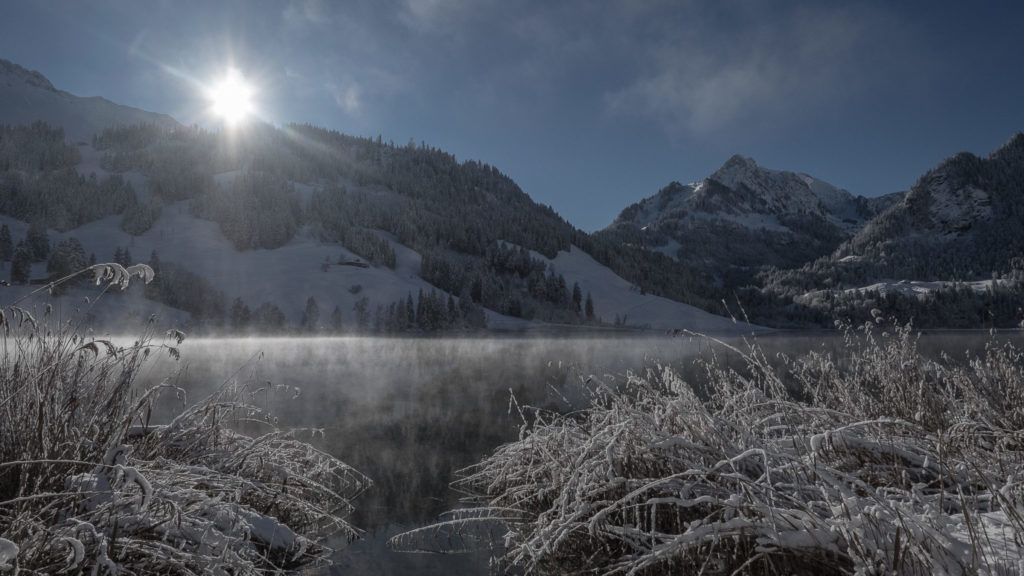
535 288
587 105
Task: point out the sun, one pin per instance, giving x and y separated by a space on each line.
231 98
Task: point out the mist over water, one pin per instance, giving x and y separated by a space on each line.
411 412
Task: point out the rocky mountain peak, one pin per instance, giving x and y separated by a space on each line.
27 96
738 170
779 191
11 72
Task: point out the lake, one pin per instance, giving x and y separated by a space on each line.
410 412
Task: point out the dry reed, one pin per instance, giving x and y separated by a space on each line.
877 462
89 485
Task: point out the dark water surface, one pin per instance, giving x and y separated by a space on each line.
411 412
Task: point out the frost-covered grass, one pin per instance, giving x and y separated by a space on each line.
89 485
877 462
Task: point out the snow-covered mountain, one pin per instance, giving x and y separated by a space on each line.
293 229
949 253
749 189
963 219
281 225
27 96
744 217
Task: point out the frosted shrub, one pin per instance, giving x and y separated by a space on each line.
877 462
88 484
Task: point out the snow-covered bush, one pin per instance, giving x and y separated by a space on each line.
877 462
89 484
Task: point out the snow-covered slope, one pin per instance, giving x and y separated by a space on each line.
745 217
961 220
950 253
287 276
266 217
27 96
751 196
614 297
749 188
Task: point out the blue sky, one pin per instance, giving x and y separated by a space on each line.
589 105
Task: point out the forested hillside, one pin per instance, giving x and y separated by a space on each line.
788 249
960 228
454 214
39 184
791 250
479 241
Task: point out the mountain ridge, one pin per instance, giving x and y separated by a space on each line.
791 248
951 252
272 229
27 95
742 218
10 72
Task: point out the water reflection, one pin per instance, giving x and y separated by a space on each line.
409 413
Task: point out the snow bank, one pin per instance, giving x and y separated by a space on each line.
614 296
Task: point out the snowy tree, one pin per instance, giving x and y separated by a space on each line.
240 316
589 307
336 325
362 310
6 245
311 316
515 308
21 264
140 217
258 209
38 241
453 311
379 319
67 258
269 318
123 256
153 289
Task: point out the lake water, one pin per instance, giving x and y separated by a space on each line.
410 412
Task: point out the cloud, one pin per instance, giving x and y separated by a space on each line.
300 13
439 16
760 67
347 97
698 93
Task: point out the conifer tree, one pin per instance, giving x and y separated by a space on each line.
240 315
453 312
269 318
362 310
154 288
6 245
21 264
38 241
68 257
336 325
311 316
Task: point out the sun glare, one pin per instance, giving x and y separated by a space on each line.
231 98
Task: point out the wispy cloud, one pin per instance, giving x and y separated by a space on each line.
771 66
299 13
426 15
347 97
